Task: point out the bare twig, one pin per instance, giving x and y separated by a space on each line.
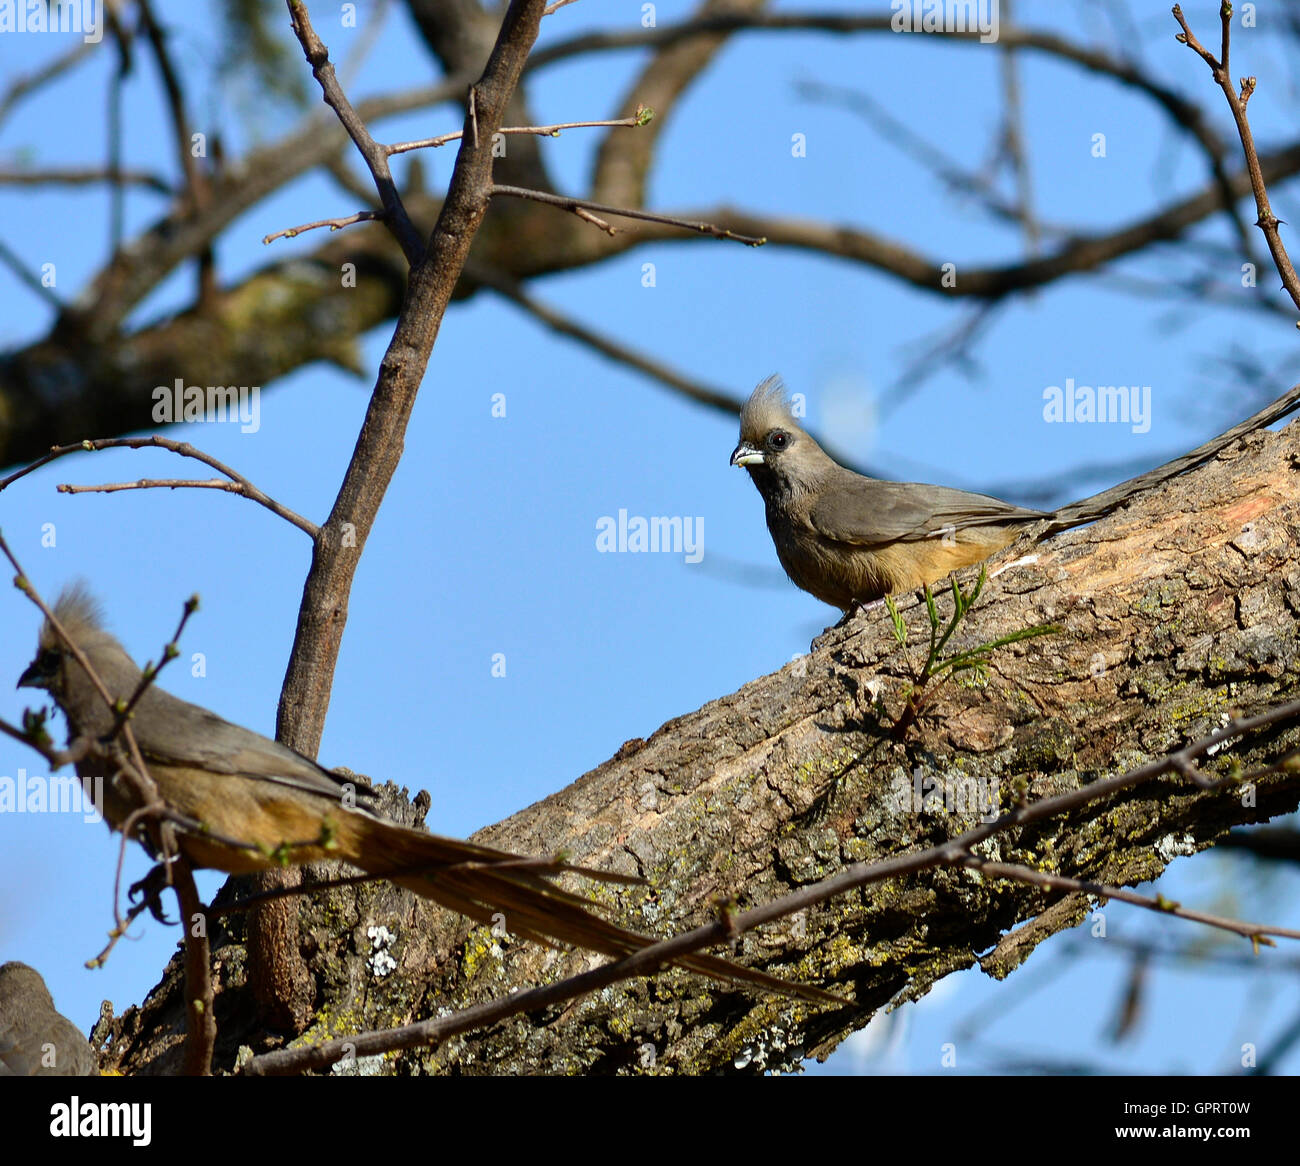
149 673
512 290
340 542
576 204
1257 933
948 346
27 83
195 180
1267 221
116 86
1013 140
395 216
85 176
641 117
333 224
905 138
238 483
200 1019
30 278
119 931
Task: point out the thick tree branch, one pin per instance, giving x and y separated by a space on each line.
1178 614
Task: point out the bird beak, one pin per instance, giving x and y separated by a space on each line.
746 455
34 677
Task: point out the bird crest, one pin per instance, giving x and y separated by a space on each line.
768 408
78 611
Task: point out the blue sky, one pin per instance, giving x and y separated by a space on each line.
486 543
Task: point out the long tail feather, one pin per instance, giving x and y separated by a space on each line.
480 882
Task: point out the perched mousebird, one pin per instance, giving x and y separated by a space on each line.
35 1039
849 539
250 803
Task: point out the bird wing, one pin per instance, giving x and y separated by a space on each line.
478 881
175 732
867 512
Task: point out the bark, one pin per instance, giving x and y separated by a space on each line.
1175 613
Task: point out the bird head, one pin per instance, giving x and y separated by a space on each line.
772 445
56 670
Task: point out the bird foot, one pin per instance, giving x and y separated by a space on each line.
151 887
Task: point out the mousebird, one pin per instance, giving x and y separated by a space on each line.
249 803
35 1039
849 539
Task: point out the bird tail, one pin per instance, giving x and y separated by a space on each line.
1099 505
482 883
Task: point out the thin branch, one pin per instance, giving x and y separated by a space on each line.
150 672
119 931
333 224
30 278
1014 144
949 345
195 180
21 86
341 540
1267 220
576 204
640 118
395 216
116 86
240 485
58 758
85 176
512 290
1256 932
200 1017
904 137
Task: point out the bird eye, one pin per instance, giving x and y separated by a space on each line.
778 440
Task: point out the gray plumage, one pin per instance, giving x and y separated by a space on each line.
254 804
35 1039
167 729
849 539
